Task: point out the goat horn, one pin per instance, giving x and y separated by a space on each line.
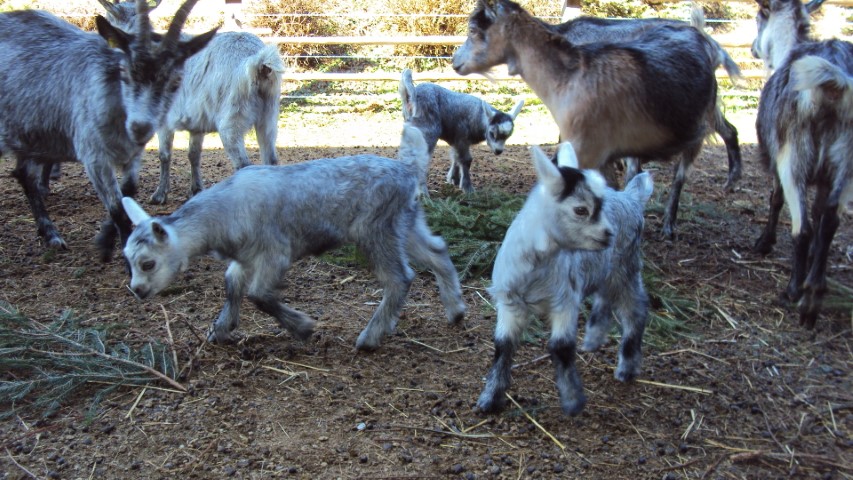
178 22
143 24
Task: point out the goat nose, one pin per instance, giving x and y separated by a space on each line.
499 151
141 131
140 292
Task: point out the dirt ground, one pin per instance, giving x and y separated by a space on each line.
745 393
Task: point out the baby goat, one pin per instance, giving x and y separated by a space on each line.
573 238
805 136
649 98
229 87
70 96
275 215
459 119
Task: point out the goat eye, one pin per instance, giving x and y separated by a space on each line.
148 265
581 211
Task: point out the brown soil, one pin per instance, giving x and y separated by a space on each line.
748 394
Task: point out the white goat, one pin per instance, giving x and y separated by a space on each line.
229 87
805 135
264 218
651 97
459 119
76 98
573 238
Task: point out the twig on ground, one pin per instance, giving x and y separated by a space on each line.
677 387
171 338
534 422
31 474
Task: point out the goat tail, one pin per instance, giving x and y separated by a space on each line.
407 95
264 69
717 52
414 149
818 74
641 187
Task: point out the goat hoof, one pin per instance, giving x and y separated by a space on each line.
158 198
488 404
456 318
364 344
223 338
303 334
55 242
763 246
626 374
573 407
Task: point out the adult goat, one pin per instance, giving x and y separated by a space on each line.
805 135
649 98
234 84
107 106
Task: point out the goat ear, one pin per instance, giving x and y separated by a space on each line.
115 37
516 109
566 156
159 231
548 174
109 7
134 211
407 95
488 111
194 45
812 6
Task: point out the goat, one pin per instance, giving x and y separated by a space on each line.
782 25
583 30
104 110
232 85
804 124
459 119
651 97
573 238
279 214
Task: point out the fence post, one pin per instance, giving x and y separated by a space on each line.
571 9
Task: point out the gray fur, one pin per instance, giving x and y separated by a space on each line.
583 30
234 84
649 98
77 99
782 25
264 218
559 250
459 119
805 135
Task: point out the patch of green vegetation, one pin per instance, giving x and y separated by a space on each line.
44 364
473 225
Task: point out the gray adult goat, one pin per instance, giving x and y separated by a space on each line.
805 135
70 96
234 84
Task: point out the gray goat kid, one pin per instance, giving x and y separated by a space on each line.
279 214
459 119
573 238
782 25
104 110
648 98
805 135
232 85
586 29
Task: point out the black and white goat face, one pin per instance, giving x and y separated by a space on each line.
572 201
